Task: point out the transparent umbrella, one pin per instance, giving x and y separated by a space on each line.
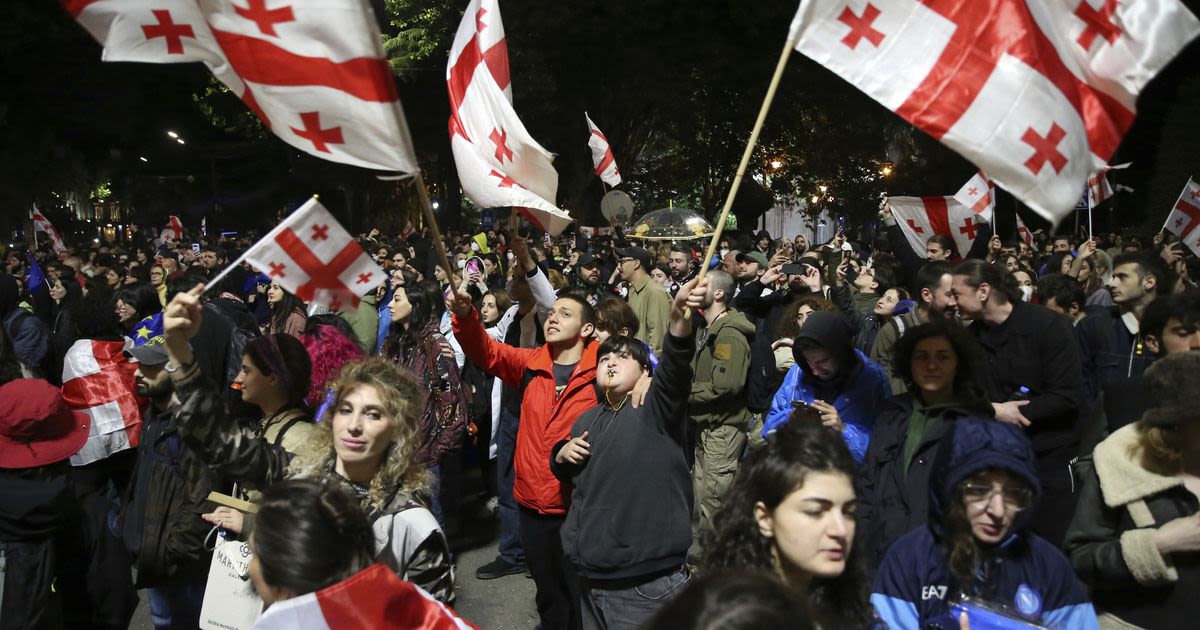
671 224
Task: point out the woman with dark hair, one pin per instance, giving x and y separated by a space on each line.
366 441
937 361
64 293
287 312
983 492
791 510
790 324
416 343
134 303
309 536
734 601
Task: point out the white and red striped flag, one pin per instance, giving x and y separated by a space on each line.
499 163
978 194
42 224
313 257
1185 216
922 217
98 380
173 231
1037 94
1023 232
372 598
1098 188
604 164
314 71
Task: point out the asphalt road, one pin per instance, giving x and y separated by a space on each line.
502 604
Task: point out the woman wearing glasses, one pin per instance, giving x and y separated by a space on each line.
983 491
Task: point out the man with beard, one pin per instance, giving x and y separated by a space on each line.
750 267
680 264
161 524
587 278
933 298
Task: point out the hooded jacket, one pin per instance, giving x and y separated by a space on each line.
914 587
858 392
546 417
1111 539
28 335
718 389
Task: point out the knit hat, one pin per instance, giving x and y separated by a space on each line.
1172 389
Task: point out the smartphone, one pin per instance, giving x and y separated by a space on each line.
804 407
196 248
793 269
473 266
842 225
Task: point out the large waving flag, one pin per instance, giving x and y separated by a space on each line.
312 256
1185 217
499 163
314 71
42 224
604 164
1037 94
98 380
922 217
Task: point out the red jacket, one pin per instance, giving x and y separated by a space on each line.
546 418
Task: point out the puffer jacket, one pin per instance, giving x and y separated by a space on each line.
914 587
1111 540
546 417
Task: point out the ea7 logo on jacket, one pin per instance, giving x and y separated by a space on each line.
933 591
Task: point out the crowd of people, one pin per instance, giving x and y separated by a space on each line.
849 434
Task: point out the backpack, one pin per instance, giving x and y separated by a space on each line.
238 338
445 417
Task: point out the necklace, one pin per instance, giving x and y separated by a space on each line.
618 406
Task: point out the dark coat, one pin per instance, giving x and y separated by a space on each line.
1113 362
1111 539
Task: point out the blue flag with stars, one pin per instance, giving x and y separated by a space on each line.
150 329
37 280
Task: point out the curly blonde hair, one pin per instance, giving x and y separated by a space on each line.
400 392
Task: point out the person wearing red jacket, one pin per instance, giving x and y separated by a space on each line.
557 384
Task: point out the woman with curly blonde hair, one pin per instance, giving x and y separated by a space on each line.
366 441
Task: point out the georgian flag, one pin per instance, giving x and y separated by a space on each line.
1098 188
499 163
313 257
922 217
313 71
1185 217
173 231
978 194
98 380
1023 232
371 598
1037 94
604 164
42 224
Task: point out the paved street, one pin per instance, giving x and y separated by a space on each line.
501 604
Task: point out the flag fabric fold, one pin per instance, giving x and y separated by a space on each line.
1098 188
313 257
173 231
1037 94
604 164
922 217
499 163
42 224
1023 232
99 381
313 71
1184 217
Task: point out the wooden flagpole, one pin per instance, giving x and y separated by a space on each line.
434 232
741 170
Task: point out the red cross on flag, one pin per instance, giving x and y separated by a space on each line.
1037 94
922 217
604 164
1185 216
1023 232
499 163
978 194
1098 188
313 257
42 224
313 71
173 231
98 380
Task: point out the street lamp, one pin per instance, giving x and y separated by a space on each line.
173 135
823 188
143 158
776 164
885 169
180 141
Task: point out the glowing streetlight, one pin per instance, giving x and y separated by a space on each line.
142 158
435 205
776 164
180 141
173 135
815 199
823 188
886 169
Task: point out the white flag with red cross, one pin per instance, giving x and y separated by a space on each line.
978 194
1185 217
313 71
173 231
1037 94
1023 232
499 163
99 380
313 257
604 163
1098 188
42 224
922 217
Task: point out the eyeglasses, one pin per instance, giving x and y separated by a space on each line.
979 495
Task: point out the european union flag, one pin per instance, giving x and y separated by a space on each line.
37 280
149 330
